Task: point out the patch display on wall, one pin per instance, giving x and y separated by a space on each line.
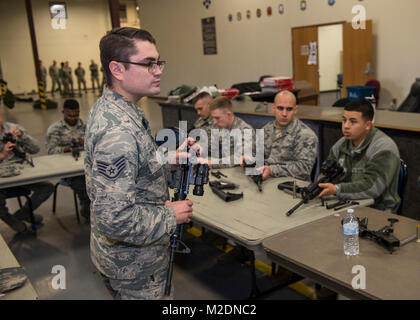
258 13
303 5
208 26
281 8
207 3
269 11
239 16
230 17
331 2
248 14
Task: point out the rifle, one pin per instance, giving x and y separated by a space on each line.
256 178
330 170
17 149
384 236
218 186
75 149
187 175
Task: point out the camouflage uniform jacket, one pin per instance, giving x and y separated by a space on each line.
26 142
371 170
225 149
127 186
93 67
80 73
204 124
60 135
290 152
53 71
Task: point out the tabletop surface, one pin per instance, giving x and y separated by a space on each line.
257 215
45 168
318 247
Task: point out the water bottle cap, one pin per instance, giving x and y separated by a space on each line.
350 211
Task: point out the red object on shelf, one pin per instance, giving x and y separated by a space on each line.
230 93
277 81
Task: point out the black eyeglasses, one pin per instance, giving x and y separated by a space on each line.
288 109
151 66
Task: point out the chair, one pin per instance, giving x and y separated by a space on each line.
402 182
412 102
64 183
17 192
377 85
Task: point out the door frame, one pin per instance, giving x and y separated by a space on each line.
311 26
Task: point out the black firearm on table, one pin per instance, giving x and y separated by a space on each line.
218 186
330 170
257 178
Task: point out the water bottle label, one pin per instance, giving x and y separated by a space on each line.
351 229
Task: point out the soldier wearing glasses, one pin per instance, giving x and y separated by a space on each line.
131 217
290 147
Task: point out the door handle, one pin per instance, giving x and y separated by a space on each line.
367 69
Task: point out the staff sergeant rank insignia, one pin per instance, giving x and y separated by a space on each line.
113 170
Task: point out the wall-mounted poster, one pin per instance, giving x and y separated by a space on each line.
303 5
269 11
208 26
207 3
239 16
230 17
331 2
258 13
281 8
248 14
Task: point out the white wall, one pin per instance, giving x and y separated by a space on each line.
246 49
251 48
330 44
87 22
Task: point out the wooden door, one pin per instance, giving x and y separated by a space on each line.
302 37
357 55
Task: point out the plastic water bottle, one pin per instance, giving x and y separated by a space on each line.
351 234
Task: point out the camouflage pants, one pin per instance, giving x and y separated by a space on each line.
78 184
142 288
41 191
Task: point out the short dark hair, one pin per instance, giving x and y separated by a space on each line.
71 104
221 102
118 44
363 106
201 95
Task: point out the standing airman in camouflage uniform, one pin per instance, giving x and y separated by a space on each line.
229 128
131 218
41 190
94 74
69 76
63 77
63 136
80 75
53 71
43 74
290 146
